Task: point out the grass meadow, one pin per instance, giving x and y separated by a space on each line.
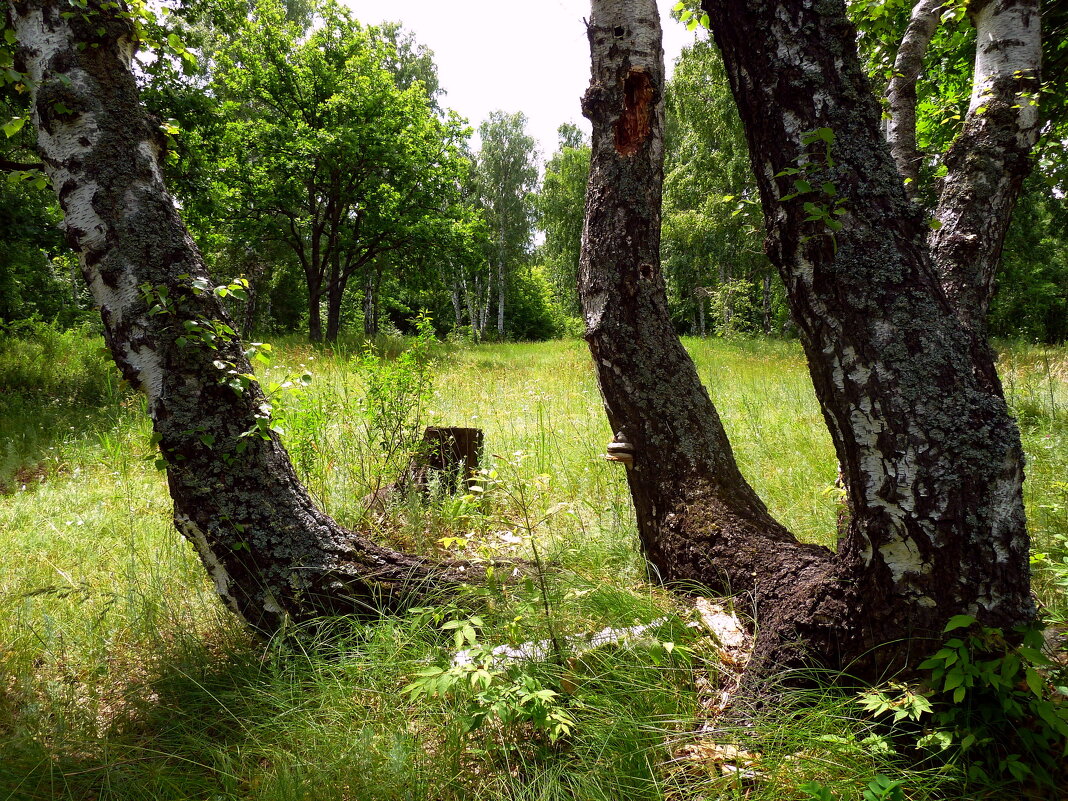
122 677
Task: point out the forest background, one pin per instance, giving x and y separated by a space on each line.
312 156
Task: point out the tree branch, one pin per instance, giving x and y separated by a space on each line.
901 94
990 159
14 166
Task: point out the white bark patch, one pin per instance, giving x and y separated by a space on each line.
271 605
540 650
116 302
806 271
220 577
1004 508
149 369
1008 44
632 16
902 558
80 218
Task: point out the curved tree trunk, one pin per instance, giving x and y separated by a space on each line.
931 459
271 553
698 519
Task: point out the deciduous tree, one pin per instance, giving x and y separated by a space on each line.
930 458
507 175
327 154
560 213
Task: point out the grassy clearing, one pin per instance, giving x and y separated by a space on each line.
122 678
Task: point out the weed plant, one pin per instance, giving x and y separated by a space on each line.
122 677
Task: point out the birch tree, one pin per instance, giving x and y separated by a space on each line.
272 555
507 177
890 323
931 460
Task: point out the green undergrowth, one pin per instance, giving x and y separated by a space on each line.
121 676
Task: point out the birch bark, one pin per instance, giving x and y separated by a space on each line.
901 94
271 553
990 159
930 458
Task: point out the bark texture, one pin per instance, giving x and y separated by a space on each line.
989 161
931 460
901 94
271 553
698 519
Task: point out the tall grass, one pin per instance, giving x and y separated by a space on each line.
121 677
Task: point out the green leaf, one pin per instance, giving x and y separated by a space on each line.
13 126
959 622
955 678
1034 656
1034 681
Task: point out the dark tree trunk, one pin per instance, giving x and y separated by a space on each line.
271 553
698 519
765 304
931 460
334 297
457 307
315 316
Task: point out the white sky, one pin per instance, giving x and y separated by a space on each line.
510 55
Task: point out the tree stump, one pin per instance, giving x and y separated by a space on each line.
450 455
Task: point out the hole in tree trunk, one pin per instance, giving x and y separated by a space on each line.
633 126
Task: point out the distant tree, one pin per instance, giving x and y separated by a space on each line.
324 153
560 206
713 258
408 61
506 178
